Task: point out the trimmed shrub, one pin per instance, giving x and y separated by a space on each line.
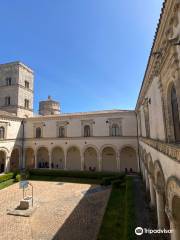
18 178
73 174
6 177
109 180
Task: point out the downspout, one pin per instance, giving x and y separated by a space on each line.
22 146
138 142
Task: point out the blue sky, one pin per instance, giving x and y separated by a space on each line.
87 54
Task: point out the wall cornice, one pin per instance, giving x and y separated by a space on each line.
170 150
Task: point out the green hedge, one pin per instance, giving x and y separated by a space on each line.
113 179
73 174
6 177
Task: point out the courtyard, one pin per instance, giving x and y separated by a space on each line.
64 211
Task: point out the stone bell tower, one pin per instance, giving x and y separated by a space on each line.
16 89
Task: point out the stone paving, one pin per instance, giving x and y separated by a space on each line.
64 212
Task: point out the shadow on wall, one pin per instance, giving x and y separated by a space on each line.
84 222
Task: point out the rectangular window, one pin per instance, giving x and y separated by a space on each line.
7 101
26 84
26 103
8 81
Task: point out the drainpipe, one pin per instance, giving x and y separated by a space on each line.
138 142
22 146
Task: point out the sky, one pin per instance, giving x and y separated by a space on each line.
87 54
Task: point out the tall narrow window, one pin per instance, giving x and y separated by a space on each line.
2 132
146 117
175 114
8 81
26 103
26 84
115 130
61 132
87 131
7 101
38 132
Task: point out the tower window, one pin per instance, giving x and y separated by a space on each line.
26 84
61 132
2 132
87 131
7 101
8 81
115 130
38 132
26 103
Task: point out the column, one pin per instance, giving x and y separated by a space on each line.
65 158
118 161
152 192
147 180
100 162
82 161
50 161
174 225
160 209
7 164
35 159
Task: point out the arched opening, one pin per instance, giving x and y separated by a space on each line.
90 159
73 161
87 131
128 160
14 160
2 132
162 218
42 158
38 132
115 130
176 217
57 158
175 114
2 161
109 162
29 158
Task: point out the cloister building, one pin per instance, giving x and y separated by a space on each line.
145 140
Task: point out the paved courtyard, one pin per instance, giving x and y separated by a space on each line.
66 211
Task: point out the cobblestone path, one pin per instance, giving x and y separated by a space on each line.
64 212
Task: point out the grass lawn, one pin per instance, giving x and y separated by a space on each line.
6 183
119 219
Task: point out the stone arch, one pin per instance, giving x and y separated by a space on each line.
173 205
159 176
109 159
57 158
42 157
29 158
128 159
73 159
2 160
90 159
15 159
150 165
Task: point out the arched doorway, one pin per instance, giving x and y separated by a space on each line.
175 114
90 159
73 159
14 160
57 158
109 162
128 159
29 158
42 158
2 161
